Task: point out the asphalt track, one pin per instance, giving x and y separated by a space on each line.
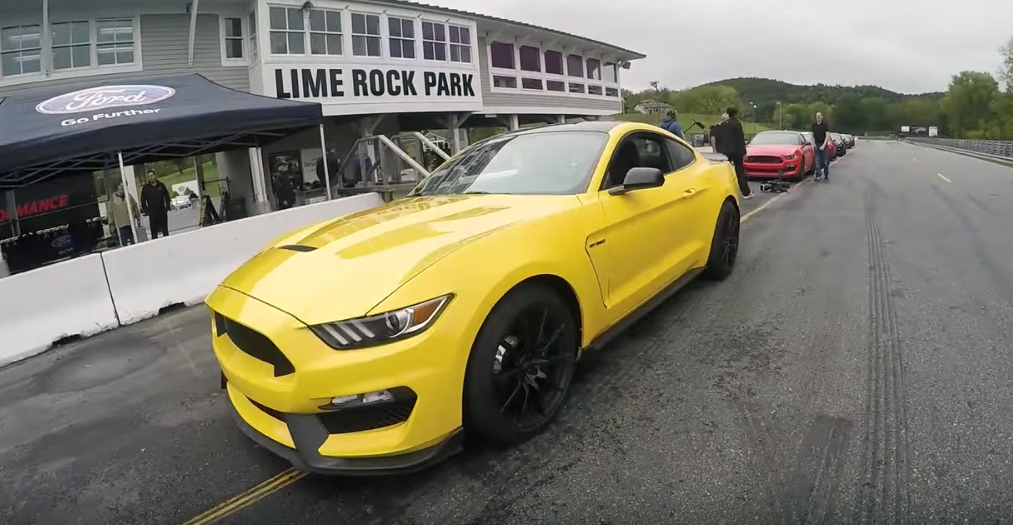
857 367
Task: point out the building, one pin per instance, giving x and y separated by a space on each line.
379 69
652 107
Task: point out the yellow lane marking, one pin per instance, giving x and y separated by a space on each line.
248 498
944 178
746 217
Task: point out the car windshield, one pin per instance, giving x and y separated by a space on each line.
541 163
775 138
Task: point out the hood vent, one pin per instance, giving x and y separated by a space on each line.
297 248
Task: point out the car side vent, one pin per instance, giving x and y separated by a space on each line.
298 248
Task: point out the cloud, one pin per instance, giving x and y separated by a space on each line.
910 46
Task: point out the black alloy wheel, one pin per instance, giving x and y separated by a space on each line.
725 245
521 367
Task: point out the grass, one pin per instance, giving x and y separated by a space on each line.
686 120
210 174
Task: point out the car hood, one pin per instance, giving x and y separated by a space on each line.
343 268
771 149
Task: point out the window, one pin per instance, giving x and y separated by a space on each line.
325 32
365 35
20 50
576 88
114 41
402 37
530 59
611 92
575 65
434 41
504 82
555 85
234 38
554 62
594 69
648 152
610 74
531 83
460 44
681 155
254 47
288 32
502 55
71 45
549 163
594 90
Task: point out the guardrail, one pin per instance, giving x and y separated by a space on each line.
999 148
91 294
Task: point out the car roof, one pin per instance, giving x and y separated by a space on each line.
603 126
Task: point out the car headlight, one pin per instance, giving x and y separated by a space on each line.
381 328
789 157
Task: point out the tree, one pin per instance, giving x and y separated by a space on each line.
1006 67
970 103
874 114
849 113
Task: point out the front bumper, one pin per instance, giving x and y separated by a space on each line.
308 434
771 170
280 379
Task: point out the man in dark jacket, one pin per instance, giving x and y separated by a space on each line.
671 124
333 166
732 143
155 203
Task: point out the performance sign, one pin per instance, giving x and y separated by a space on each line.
376 85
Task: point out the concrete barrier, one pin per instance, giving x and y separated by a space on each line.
185 268
43 306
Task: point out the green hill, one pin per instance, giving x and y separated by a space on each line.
765 91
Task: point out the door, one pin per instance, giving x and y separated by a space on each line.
646 232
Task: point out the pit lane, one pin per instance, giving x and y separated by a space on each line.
855 366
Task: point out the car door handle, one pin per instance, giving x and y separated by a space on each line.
689 191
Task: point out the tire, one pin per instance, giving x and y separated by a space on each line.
489 381
721 263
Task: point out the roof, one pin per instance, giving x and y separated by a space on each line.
629 54
49 131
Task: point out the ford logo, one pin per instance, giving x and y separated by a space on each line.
62 241
104 97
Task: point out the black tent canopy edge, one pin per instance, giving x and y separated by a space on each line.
202 117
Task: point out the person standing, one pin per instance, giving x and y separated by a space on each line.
155 203
821 140
121 217
671 124
731 142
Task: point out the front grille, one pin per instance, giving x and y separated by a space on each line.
254 344
764 159
369 417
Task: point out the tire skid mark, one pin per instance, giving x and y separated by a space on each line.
887 465
762 443
819 467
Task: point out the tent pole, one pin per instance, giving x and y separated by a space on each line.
327 169
128 196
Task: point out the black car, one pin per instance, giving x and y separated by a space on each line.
839 144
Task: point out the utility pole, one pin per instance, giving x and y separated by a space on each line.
780 121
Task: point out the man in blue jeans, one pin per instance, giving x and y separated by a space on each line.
821 142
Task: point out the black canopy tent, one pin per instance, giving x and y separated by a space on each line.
46 133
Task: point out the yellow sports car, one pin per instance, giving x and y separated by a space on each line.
369 344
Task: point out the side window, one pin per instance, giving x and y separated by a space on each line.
641 150
681 155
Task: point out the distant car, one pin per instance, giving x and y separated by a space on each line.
181 201
840 149
779 154
849 140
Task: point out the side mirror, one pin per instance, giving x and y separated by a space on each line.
639 179
807 143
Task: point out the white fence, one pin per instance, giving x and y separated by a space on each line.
99 292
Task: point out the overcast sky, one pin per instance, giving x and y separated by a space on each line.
910 46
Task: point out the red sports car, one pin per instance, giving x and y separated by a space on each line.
779 154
